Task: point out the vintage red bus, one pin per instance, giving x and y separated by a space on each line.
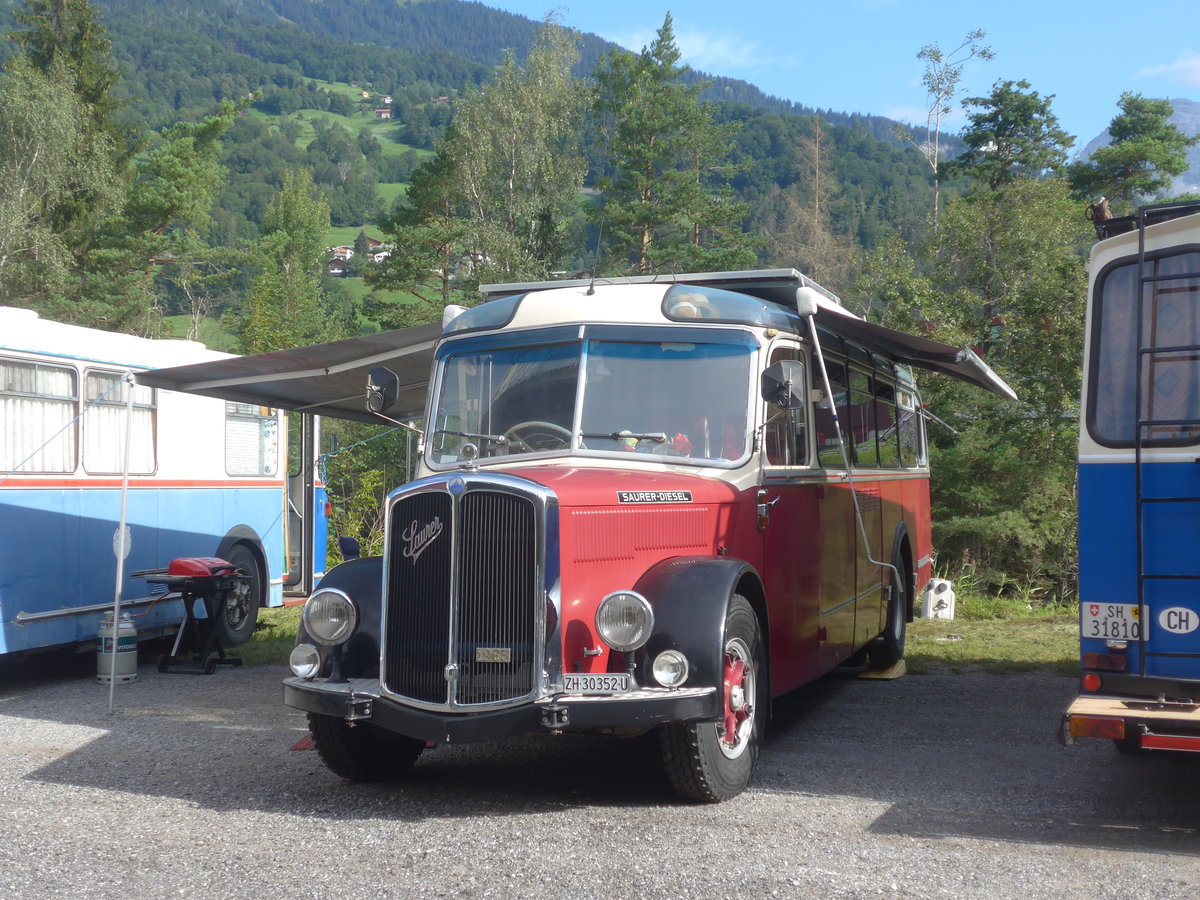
641 504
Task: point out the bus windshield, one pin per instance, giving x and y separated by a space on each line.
682 401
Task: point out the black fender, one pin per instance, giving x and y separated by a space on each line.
361 580
902 560
690 598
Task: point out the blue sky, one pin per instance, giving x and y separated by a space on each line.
860 55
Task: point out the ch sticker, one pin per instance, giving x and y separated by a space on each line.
1179 620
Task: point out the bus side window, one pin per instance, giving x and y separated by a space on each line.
885 422
861 425
37 404
912 450
251 439
104 425
828 452
785 435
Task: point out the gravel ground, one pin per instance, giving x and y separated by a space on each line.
933 786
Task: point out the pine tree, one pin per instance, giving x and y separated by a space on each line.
1011 134
1146 153
665 205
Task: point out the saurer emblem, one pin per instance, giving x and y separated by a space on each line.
417 537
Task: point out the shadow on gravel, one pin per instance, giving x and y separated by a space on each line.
974 755
969 755
225 742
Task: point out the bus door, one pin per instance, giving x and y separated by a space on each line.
795 539
861 428
835 518
305 508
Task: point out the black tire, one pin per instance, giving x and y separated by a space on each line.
239 609
364 752
888 649
701 763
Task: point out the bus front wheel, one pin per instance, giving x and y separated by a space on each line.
239 611
713 761
362 752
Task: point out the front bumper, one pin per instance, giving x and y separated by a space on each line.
1138 723
358 699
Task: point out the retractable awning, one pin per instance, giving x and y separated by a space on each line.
325 379
330 379
913 350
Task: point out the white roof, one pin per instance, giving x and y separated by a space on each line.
23 330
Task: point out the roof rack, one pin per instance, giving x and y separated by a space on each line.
1152 214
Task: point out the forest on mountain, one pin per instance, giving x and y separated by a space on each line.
176 164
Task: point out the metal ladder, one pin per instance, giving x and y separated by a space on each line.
1151 288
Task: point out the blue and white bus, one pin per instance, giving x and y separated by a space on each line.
1139 486
205 478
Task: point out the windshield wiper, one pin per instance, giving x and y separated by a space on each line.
493 438
657 436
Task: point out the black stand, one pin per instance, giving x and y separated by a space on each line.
211 590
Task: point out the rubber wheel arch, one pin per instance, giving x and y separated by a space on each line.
888 649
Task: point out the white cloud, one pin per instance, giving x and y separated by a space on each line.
719 54
1185 70
913 115
711 52
917 116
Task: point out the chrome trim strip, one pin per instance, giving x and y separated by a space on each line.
878 586
23 618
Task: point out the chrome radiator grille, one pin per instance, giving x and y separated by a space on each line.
463 604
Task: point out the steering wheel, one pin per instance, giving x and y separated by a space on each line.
532 436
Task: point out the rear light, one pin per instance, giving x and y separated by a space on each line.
1106 662
1090 681
1097 727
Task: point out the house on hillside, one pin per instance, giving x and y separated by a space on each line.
384 112
336 268
343 252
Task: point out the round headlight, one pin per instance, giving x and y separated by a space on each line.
330 616
624 620
305 661
670 668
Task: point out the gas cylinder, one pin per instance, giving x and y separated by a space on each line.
124 667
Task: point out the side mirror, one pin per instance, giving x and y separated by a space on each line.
783 385
382 389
